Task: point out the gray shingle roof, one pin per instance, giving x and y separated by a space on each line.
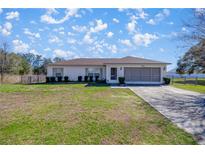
104 61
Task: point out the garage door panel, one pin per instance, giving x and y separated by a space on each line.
146 78
155 71
148 74
155 78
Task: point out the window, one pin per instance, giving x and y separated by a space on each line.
113 73
93 72
57 72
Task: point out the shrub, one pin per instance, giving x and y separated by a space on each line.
53 79
86 78
91 78
79 78
167 80
47 79
96 78
66 78
121 80
101 81
59 78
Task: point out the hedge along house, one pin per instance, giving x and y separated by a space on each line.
135 70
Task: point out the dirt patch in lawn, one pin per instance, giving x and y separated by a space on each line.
12 101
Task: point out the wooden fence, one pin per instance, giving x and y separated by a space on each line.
10 78
29 79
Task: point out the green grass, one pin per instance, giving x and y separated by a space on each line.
190 84
75 114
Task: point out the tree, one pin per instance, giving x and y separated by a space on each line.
193 60
195 27
37 62
24 67
30 58
3 59
46 62
58 59
17 64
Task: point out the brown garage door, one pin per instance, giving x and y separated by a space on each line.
148 74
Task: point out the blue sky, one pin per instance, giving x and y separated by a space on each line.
72 33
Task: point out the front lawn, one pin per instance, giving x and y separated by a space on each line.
190 84
75 114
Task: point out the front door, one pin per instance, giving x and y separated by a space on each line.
113 73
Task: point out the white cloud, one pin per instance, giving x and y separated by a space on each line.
151 22
170 23
20 46
112 48
47 49
131 26
60 30
142 14
99 26
1 11
165 12
200 11
71 41
33 22
115 20
87 39
64 54
52 11
126 42
144 39
54 39
78 28
184 29
110 34
159 17
47 18
30 34
70 34
6 29
33 51
99 46
62 33
12 15
121 9
161 49
40 30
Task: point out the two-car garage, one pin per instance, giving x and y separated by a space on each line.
142 74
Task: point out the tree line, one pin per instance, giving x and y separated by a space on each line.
22 63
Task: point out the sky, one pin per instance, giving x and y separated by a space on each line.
74 33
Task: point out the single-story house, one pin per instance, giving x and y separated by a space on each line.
135 70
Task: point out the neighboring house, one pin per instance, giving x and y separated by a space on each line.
135 70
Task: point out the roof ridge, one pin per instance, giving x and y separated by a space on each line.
103 61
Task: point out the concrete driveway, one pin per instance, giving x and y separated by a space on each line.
182 107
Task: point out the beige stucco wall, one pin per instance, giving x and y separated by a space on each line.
73 71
